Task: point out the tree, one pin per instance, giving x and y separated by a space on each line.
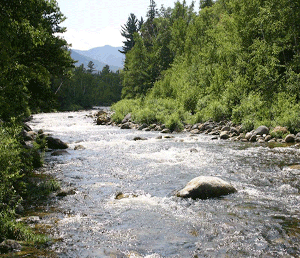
132 26
31 53
206 3
91 67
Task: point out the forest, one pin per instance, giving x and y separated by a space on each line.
87 88
233 60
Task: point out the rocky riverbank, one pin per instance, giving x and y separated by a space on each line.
224 130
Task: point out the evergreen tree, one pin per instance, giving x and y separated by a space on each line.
132 26
91 67
206 3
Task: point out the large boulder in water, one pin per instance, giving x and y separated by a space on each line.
204 187
54 143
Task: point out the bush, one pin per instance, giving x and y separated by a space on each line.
124 107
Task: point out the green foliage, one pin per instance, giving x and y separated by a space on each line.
86 89
235 59
28 33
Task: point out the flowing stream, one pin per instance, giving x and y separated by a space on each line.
261 220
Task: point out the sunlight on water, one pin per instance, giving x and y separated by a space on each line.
124 203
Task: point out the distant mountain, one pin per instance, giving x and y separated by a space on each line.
100 57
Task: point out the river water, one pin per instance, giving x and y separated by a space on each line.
261 220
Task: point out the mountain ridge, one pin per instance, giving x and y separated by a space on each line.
100 56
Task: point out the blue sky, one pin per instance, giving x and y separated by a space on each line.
96 23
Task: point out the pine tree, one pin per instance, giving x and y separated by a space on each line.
132 26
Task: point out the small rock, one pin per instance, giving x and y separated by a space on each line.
224 135
159 137
204 187
166 130
248 135
193 150
137 138
169 137
290 138
59 153
225 128
195 131
66 191
214 138
32 220
79 147
252 138
121 195
268 138
143 126
10 246
125 126
127 118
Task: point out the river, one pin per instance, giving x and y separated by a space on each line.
261 220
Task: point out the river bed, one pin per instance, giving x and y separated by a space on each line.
261 220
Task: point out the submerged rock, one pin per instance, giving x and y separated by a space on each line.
66 191
10 246
138 138
59 153
79 147
204 187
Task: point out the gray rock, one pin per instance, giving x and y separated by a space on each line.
79 147
204 187
59 153
138 138
55 143
66 191
252 138
10 246
248 135
141 127
225 128
297 139
290 138
166 130
224 135
127 118
234 131
125 126
29 136
298 135
32 220
268 138
193 150
195 131
261 130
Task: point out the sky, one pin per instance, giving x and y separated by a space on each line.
96 23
